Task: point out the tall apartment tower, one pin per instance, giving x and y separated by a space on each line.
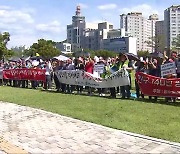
141 28
75 30
160 35
171 24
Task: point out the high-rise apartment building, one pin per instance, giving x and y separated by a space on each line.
171 24
140 27
160 36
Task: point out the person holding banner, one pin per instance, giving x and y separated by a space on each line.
99 69
1 74
141 67
56 68
125 64
79 65
69 66
154 70
178 66
168 70
89 65
110 69
48 83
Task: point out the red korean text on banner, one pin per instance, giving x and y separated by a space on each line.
25 74
155 86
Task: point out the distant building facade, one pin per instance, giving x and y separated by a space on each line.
121 44
75 30
160 35
93 37
139 27
64 47
171 24
82 35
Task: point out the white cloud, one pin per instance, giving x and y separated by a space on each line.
10 15
83 6
5 7
53 27
144 8
107 7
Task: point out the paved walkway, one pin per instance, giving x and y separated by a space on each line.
38 131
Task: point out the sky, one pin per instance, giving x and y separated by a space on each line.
30 20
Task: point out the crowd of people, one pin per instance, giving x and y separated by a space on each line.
149 65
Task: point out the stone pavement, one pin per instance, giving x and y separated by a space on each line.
38 131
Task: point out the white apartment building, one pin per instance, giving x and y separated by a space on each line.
171 24
140 27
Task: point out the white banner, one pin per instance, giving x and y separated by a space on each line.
1 73
82 78
167 69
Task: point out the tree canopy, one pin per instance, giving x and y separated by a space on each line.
100 53
4 52
176 42
45 48
157 43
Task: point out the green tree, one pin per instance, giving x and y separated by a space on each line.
160 43
176 43
18 50
105 54
100 53
157 43
143 53
4 38
45 48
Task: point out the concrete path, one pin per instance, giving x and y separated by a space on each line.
38 131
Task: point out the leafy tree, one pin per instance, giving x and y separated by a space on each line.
18 50
100 53
143 53
105 54
157 43
160 43
176 43
45 48
4 38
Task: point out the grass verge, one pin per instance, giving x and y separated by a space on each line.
158 120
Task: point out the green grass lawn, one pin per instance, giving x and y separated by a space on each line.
158 120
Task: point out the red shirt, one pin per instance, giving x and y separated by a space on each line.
89 67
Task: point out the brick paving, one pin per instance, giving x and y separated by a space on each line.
38 131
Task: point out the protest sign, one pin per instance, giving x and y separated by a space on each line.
155 86
99 68
82 78
168 69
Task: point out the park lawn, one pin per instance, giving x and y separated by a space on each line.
158 120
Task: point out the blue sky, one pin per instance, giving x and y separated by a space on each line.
29 20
